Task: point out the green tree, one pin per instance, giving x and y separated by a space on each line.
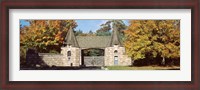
90 32
106 27
93 52
78 33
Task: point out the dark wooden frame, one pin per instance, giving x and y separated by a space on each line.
99 4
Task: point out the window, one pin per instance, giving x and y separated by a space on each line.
69 53
115 51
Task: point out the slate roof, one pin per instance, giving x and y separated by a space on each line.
115 40
70 38
93 41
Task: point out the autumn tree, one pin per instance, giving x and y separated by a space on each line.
44 35
153 38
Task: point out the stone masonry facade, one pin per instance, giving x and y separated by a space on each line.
72 55
116 52
52 59
63 59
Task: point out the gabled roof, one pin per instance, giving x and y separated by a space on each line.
93 41
70 38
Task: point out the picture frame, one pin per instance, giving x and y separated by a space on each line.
99 4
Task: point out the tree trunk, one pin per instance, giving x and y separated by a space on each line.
163 61
172 63
132 62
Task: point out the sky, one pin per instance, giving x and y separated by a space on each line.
93 25
84 25
24 23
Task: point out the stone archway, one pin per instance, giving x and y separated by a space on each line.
96 58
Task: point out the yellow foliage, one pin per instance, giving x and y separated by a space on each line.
158 37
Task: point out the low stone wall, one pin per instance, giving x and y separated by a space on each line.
74 59
51 59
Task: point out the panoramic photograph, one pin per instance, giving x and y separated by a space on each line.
98 44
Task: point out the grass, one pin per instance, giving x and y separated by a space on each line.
143 68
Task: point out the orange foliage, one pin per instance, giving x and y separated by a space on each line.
42 34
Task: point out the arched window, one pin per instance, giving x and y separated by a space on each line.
115 57
115 51
69 53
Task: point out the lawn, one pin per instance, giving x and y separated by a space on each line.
143 68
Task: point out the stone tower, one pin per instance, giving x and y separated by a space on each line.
115 52
70 50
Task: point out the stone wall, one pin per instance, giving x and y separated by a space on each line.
51 59
74 58
123 60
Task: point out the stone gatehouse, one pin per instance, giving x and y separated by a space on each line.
71 52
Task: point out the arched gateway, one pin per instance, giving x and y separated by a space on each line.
71 52
114 52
